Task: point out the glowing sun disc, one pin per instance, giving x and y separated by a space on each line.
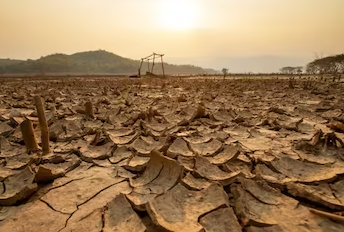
178 14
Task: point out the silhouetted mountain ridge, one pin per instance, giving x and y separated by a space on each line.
90 62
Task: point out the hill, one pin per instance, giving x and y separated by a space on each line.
4 62
91 62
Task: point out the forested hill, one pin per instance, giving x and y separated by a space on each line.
4 62
92 62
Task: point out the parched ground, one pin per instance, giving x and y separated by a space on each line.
174 155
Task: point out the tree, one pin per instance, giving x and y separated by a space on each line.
288 70
311 69
299 70
225 72
328 65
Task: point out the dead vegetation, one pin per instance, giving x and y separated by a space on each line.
171 155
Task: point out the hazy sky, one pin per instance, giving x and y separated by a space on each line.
203 32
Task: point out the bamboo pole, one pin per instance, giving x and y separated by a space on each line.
43 125
89 109
153 62
53 110
162 65
29 136
140 68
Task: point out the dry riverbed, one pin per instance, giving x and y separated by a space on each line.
174 155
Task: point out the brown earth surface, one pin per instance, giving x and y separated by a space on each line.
173 155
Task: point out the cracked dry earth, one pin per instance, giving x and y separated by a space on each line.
174 155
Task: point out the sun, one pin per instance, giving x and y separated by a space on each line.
179 14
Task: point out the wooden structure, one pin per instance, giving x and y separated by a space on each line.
151 68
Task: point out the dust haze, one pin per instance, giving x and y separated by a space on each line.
166 115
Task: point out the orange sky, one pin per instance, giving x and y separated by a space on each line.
182 29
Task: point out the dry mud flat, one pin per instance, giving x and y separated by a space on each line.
174 155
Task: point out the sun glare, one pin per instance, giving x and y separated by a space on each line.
179 14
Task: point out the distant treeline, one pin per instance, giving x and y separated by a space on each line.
328 65
92 62
291 70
